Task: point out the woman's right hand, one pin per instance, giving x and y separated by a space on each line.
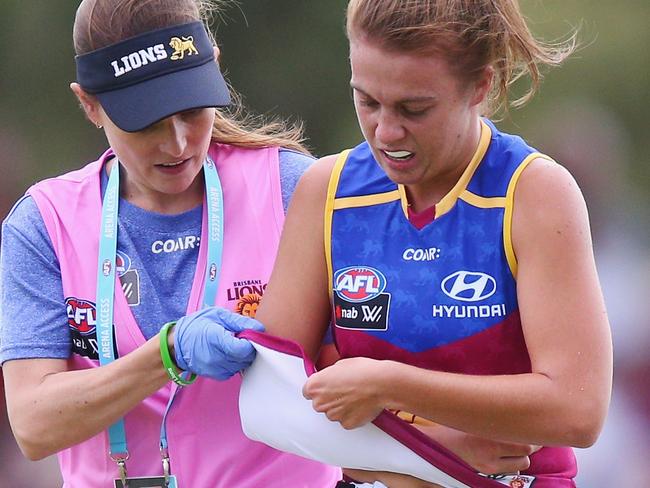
391 480
487 456
205 343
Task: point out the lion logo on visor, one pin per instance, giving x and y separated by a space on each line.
182 46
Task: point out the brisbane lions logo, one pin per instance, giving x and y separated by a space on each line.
182 46
247 305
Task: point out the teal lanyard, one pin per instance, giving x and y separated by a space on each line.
214 198
106 281
214 204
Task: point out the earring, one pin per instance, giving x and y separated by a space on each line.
98 125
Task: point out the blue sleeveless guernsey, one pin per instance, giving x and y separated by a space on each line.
443 297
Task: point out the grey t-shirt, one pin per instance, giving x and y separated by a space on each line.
157 256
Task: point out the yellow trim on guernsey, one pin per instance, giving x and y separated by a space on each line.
510 203
329 211
405 203
366 200
482 202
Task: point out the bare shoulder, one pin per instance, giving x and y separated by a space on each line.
545 181
300 274
311 192
548 201
318 174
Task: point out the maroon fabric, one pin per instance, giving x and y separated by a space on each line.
402 431
420 219
500 349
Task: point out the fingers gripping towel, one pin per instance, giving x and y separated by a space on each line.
273 411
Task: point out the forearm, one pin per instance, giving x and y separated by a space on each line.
527 408
392 480
67 407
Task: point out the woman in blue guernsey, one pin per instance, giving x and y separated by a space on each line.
454 260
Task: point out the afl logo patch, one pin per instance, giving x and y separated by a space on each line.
359 283
82 316
213 272
469 286
82 320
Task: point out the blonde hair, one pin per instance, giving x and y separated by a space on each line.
471 34
101 23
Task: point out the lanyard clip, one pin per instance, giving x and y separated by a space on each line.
165 462
121 465
120 459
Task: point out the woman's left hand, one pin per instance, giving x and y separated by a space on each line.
348 392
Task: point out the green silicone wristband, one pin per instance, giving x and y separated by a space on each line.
173 371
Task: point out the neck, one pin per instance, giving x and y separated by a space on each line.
428 193
152 200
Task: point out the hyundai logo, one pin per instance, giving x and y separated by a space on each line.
468 286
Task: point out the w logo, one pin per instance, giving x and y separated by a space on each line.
468 286
371 314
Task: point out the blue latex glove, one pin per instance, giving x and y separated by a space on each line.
205 344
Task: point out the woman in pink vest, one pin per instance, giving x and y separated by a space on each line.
181 213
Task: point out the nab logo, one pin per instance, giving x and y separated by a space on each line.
359 283
468 286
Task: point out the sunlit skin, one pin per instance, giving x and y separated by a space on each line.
415 103
181 138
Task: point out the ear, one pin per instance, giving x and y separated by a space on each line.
89 103
483 86
217 53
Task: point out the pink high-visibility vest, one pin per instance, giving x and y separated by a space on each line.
206 445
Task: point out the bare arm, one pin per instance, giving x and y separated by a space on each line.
296 301
564 400
51 408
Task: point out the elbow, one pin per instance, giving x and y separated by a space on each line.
584 426
32 445
33 451
584 433
35 455
581 438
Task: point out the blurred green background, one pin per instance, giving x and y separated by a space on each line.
289 58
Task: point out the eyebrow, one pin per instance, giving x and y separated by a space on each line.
406 100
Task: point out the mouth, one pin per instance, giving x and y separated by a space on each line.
173 167
172 164
399 155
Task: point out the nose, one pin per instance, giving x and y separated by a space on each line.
389 129
175 137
